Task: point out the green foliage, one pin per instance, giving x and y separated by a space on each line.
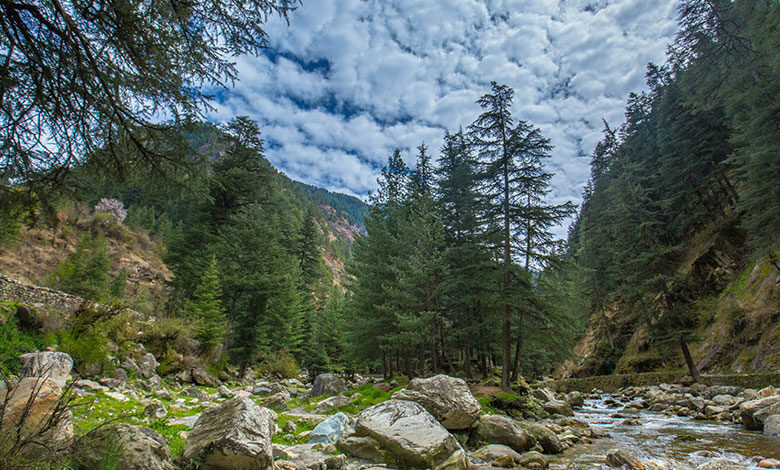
282 365
117 288
13 341
206 309
85 271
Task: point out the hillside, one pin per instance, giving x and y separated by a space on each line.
737 317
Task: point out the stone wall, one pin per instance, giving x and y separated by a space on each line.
12 290
613 383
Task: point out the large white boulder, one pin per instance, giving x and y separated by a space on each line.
54 366
498 429
411 436
447 398
235 434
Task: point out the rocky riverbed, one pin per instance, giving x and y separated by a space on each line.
194 420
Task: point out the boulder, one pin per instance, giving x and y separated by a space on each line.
448 399
557 407
32 402
128 447
54 366
235 434
327 384
330 430
277 401
90 385
148 365
329 403
543 436
411 436
363 447
769 463
575 399
721 464
624 460
532 460
497 429
722 390
130 366
225 392
203 378
755 412
772 425
155 411
497 454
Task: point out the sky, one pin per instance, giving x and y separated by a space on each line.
348 81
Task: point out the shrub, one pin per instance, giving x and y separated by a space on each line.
14 342
85 271
282 366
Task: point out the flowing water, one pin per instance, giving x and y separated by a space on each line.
669 441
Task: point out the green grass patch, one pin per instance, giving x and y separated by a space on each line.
171 434
284 437
367 396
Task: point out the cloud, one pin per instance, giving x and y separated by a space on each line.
350 80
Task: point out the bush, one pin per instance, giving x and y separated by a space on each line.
85 271
282 366
14 342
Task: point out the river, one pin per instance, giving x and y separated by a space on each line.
672 442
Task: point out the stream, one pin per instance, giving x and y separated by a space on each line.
674 442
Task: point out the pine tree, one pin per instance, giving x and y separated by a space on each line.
207 311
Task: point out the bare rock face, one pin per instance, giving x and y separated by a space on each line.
448 399
497 429
497 454
54 366
772 425
411 436
543 436
132 447
327 384
148 365
624 460
27 408
235 434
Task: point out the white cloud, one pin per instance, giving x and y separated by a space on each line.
350 80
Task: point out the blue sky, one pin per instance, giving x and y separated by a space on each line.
350 80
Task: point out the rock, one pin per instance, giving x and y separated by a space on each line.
622 459
283 452
767 392
769 463
532 460
335 461
496 452
411 435
330 430
723 400
754 412
497 429
575 399
120 375
156 411
34 416
130 366
195 392
117 396
184 376
54 366
155 381
131 447
448 399
163 393
235 434
327 384
543 436
772 425
261 390
329 403
557 407
365 447
90 385
720 464
277 401
110 382
225 392
722 390
203 378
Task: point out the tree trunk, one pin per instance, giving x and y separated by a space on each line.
445 360
518 348
467 362
689 361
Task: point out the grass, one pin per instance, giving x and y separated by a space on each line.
364 397
301 426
